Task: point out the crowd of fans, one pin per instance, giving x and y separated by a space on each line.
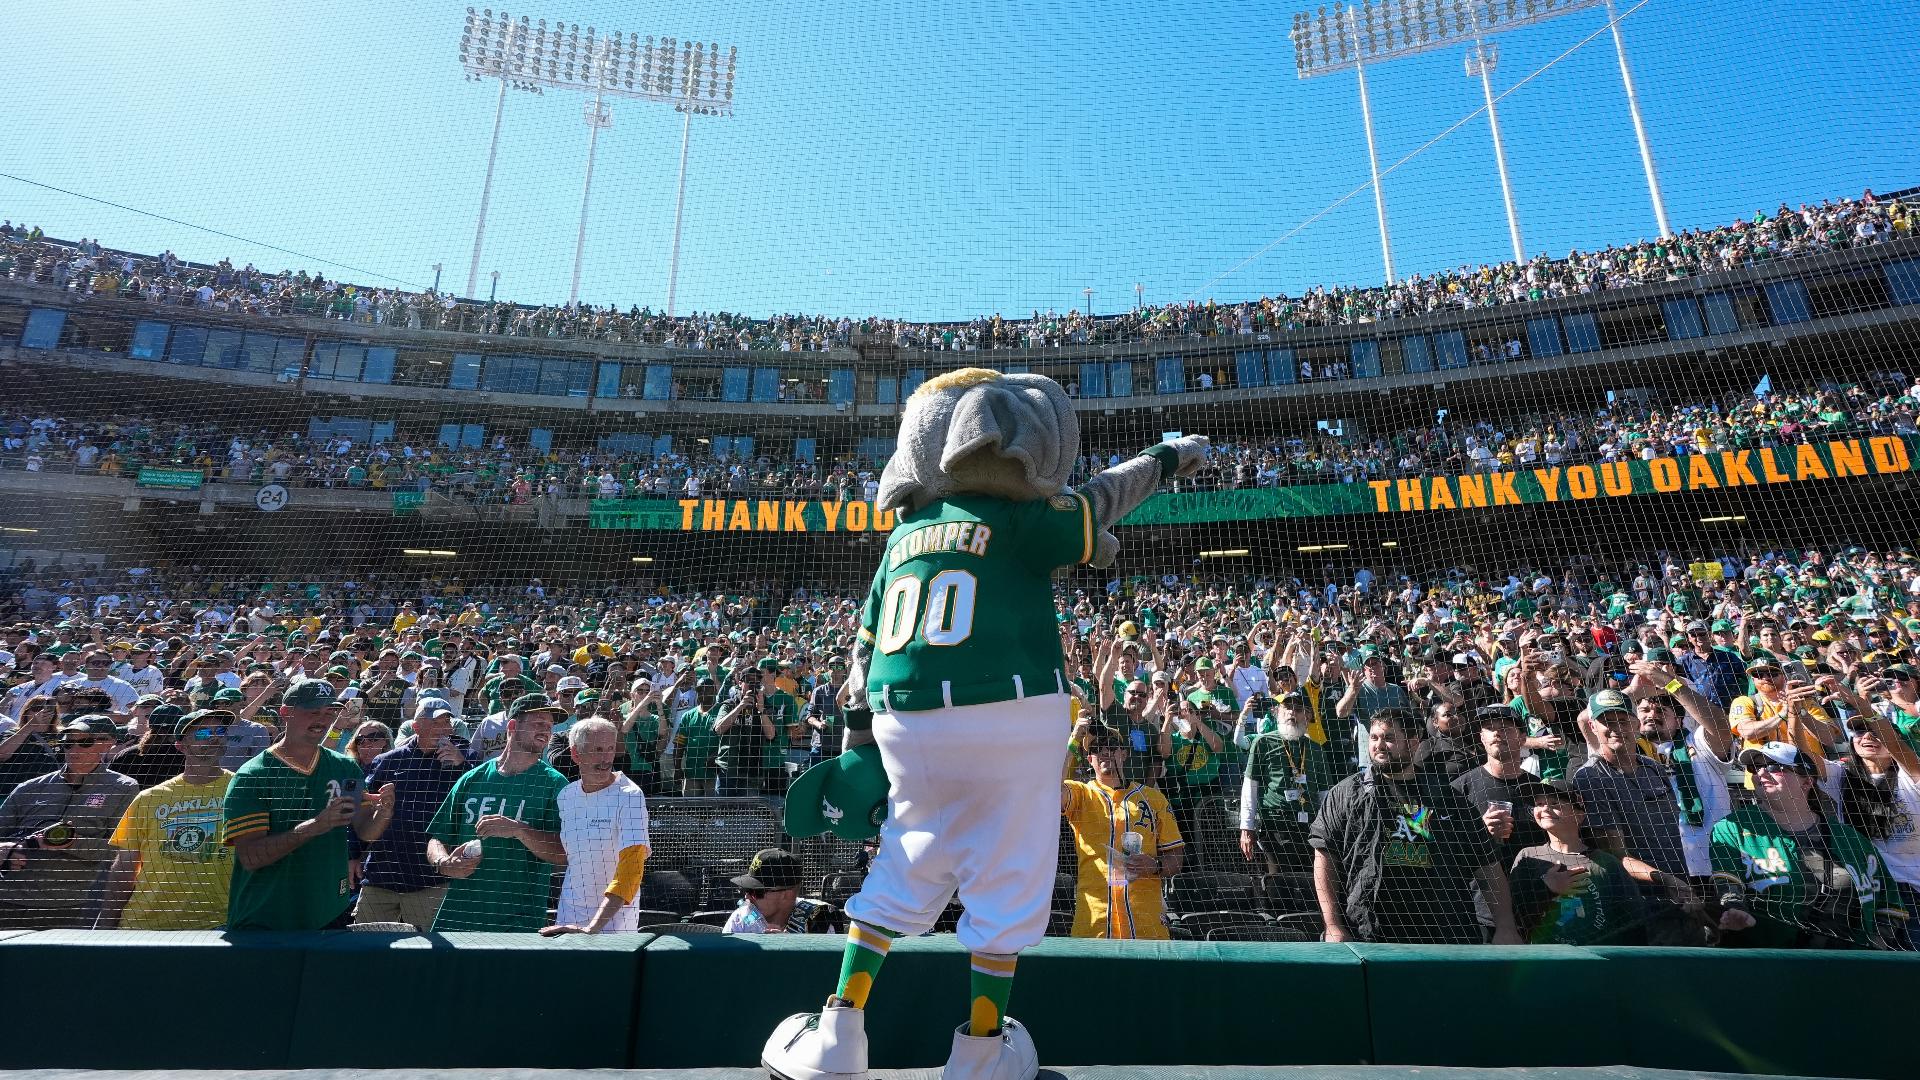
88 268
1686 750
505 471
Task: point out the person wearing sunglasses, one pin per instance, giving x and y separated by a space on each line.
171 871
1789 875
54 830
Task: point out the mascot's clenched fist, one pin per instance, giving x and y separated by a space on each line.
959 658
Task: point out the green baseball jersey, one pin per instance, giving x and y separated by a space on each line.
695 743
1753 855
307 888
509 889
962 603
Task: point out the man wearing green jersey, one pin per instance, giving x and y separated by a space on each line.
286 809
497 835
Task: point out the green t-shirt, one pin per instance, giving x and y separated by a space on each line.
510 888
963 596
1290 776
1755 856
307 888
695 743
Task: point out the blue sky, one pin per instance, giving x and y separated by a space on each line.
927 160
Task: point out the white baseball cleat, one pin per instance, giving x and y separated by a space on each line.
828 1045
1007 1056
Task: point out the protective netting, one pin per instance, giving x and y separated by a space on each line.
1567 599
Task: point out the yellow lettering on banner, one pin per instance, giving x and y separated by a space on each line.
769 516
832 510
1737 470
687 507
1848 458
1473 490
1770 467
1412 497
1665 474
1549 482
883 520
1807 464
1700 473
1617 478
980 536
1504 493
1889 454
857 518
1380 494
793 519
1581 483
741 518
1441 497
713 515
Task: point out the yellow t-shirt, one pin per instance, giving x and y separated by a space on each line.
1748 709
1108 905
184 868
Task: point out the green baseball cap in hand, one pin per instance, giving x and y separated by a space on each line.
845 796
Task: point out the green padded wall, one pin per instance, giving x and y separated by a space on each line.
1466 1005
181 1000
1086 1002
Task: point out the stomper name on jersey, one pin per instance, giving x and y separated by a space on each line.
958 537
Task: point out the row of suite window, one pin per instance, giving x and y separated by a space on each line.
365 431
1507 337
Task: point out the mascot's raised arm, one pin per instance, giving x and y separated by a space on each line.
958 766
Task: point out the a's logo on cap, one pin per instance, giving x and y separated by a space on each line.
831 812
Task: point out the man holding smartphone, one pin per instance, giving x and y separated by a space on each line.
286 810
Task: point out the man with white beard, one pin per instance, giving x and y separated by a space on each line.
1287 774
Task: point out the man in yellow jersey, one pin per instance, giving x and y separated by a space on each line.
1127 841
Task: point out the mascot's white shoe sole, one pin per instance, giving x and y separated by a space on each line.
828 1045
1007 1056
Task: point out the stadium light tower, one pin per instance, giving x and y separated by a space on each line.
688 76
1482 58
1326 41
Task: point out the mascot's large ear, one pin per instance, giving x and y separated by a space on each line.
956 422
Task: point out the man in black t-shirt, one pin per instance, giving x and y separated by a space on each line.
1501 794
1395 850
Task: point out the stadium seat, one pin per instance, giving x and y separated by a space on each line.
1059 923
685 929
1201 924
382 928
1204 891
710 918
1260 932
644 916
1306 922
668 890
839 887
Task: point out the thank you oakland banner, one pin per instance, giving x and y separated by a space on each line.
1806 463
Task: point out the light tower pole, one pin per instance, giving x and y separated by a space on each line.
1639 126
1482 58
533 57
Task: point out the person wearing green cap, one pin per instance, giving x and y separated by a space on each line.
497 834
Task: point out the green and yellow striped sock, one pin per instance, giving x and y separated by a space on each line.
992 985
866 949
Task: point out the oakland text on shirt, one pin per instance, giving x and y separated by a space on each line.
959 537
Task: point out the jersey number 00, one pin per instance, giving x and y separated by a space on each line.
948 619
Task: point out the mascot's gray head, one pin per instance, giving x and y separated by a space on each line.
976 431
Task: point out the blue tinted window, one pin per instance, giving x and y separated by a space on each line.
259 351
223 349
1169 375
332 360
540 439
608 385
379 368
564 378
43 328
449 435
840 386
911 382
382 431
886 391
733 384
1120 379
1543 336
1903 281
1788 299
659 383
1683 319
1722 317
466 372
766 384
805 449
1417 353
1093 380
1250 367
1583 334
1450 349
189 344
1282 370
1366 359
149 340
1011 369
